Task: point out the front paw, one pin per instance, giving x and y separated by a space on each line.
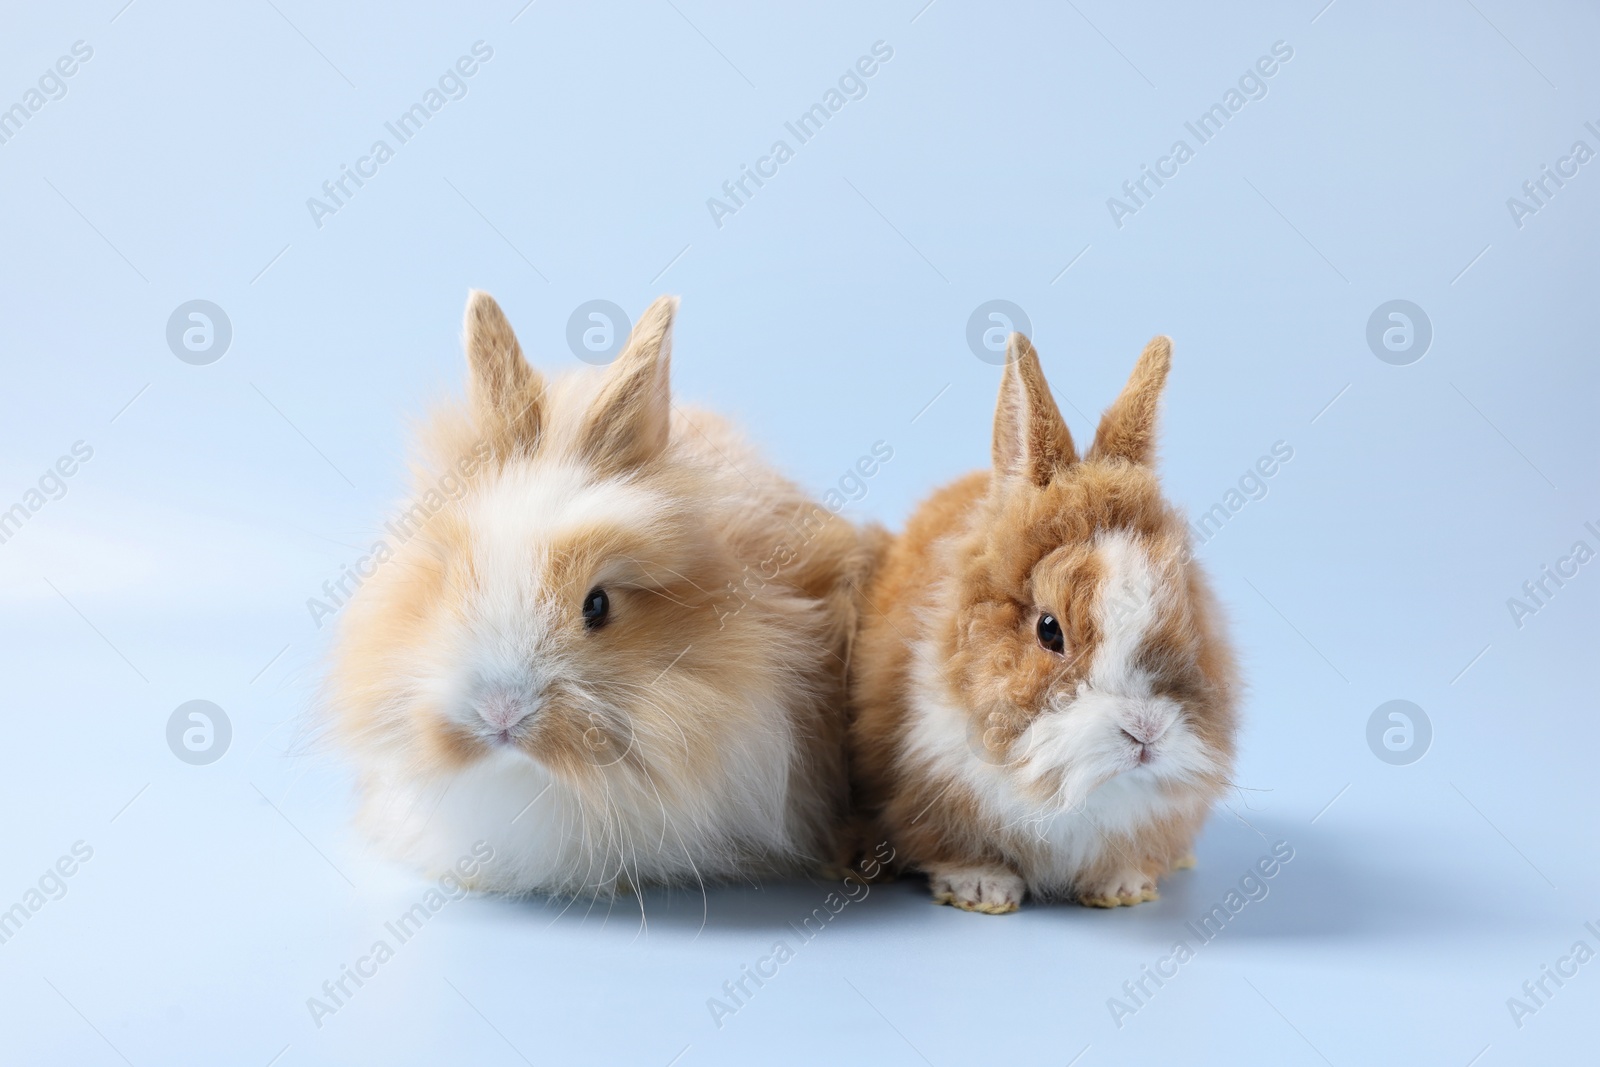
990 890
1123 889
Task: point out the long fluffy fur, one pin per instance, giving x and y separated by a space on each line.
698 735
998 766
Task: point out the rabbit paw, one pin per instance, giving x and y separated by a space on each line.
1123 889
990 890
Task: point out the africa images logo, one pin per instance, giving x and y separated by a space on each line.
1252 85
337 192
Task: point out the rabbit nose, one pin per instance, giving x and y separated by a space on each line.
503 709
1146 727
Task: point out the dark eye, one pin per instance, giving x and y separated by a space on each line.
595 607
1050 635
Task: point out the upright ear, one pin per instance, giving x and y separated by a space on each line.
628 422
1030 438
1128 428
507 395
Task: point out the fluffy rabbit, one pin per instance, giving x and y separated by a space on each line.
1044 697
611 641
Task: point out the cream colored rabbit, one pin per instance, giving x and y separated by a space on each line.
619 656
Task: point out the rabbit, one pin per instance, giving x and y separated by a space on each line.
612 642
1043 695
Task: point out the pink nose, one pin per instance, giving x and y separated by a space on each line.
1146 727
502 710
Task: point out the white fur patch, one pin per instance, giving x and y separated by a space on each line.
500 649
621 827
1074 778
540 504
549 837
1126 609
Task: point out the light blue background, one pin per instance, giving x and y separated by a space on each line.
825 316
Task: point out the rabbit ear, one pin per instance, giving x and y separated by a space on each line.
628 422
1030 438
1128 428
506 394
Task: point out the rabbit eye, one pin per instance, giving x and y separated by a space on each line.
595 608
1050 635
